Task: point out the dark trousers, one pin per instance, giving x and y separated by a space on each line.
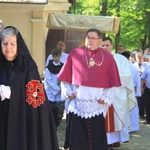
58 111
141 105
147 103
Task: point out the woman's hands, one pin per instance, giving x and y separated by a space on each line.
5 92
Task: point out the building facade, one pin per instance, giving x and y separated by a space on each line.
30 17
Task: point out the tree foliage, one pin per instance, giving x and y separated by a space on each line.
135 19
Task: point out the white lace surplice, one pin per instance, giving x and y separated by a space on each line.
86 103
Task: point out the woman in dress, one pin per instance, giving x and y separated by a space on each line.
26 118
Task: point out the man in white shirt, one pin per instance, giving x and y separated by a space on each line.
61 46
123 102
137 87
141 65
145 79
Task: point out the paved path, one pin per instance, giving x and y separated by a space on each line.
138 140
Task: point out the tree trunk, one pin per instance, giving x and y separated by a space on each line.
118 15
103 8
148 16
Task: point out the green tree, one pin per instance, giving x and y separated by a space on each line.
135 19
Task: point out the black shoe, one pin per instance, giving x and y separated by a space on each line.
146 122
110 147
117 144
142 117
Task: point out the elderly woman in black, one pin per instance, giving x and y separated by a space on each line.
26 120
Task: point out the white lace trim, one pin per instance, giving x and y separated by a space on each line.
86 109
86 105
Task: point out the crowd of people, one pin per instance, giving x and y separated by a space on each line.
103 94
140 60
122 114
123 102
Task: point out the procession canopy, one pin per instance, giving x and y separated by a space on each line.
105 24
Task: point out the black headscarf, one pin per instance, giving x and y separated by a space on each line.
22 50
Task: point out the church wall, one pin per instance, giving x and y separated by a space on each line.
31 20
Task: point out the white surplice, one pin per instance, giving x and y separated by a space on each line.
123 102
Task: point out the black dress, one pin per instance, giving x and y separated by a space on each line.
26 119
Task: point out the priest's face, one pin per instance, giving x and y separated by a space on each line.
92 41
